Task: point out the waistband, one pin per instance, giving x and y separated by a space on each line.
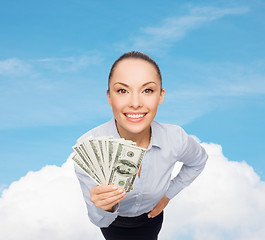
138 221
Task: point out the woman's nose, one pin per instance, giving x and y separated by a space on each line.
135 101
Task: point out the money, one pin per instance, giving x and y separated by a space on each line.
109 161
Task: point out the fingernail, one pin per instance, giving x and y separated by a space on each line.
149 216
115 187
124 193
120 191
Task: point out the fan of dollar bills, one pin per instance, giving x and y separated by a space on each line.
109 161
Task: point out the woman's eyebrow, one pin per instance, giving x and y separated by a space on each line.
149 83
121 84
128 86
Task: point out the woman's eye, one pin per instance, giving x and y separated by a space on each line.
149 90
122 91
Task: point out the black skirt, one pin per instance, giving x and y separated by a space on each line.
134 228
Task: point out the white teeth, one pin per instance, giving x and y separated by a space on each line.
134 115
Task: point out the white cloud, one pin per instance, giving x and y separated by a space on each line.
226 202
201 87
45 205
68 64
173 29
2 187
39 92
14 67
213 13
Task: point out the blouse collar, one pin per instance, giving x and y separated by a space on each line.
155 140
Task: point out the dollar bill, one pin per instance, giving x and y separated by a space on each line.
85 152
109 161
86 169
126 166
96 150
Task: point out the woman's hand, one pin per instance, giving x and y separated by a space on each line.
106 196
159 207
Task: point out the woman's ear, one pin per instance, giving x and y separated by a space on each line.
162 95
108 97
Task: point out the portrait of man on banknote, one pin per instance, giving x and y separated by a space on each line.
126 168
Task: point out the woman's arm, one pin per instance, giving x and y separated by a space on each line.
159 207
194 158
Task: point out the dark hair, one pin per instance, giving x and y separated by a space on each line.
136 55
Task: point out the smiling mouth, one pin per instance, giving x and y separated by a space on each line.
135 116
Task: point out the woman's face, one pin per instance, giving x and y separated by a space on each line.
134 95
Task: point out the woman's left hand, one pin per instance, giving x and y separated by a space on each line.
159 207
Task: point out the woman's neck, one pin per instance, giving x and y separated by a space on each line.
141 139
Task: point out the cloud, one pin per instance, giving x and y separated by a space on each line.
40 93
68 64
14 67
202 87
173 29
45 205
227 201
228 79
65 90
2 187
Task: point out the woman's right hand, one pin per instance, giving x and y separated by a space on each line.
106 196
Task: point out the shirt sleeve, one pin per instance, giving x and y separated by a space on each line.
194 158
96 215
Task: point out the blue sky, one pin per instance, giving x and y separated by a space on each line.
55 57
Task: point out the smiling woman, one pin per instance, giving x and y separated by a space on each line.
134 94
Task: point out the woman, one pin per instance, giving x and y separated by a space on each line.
134 93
